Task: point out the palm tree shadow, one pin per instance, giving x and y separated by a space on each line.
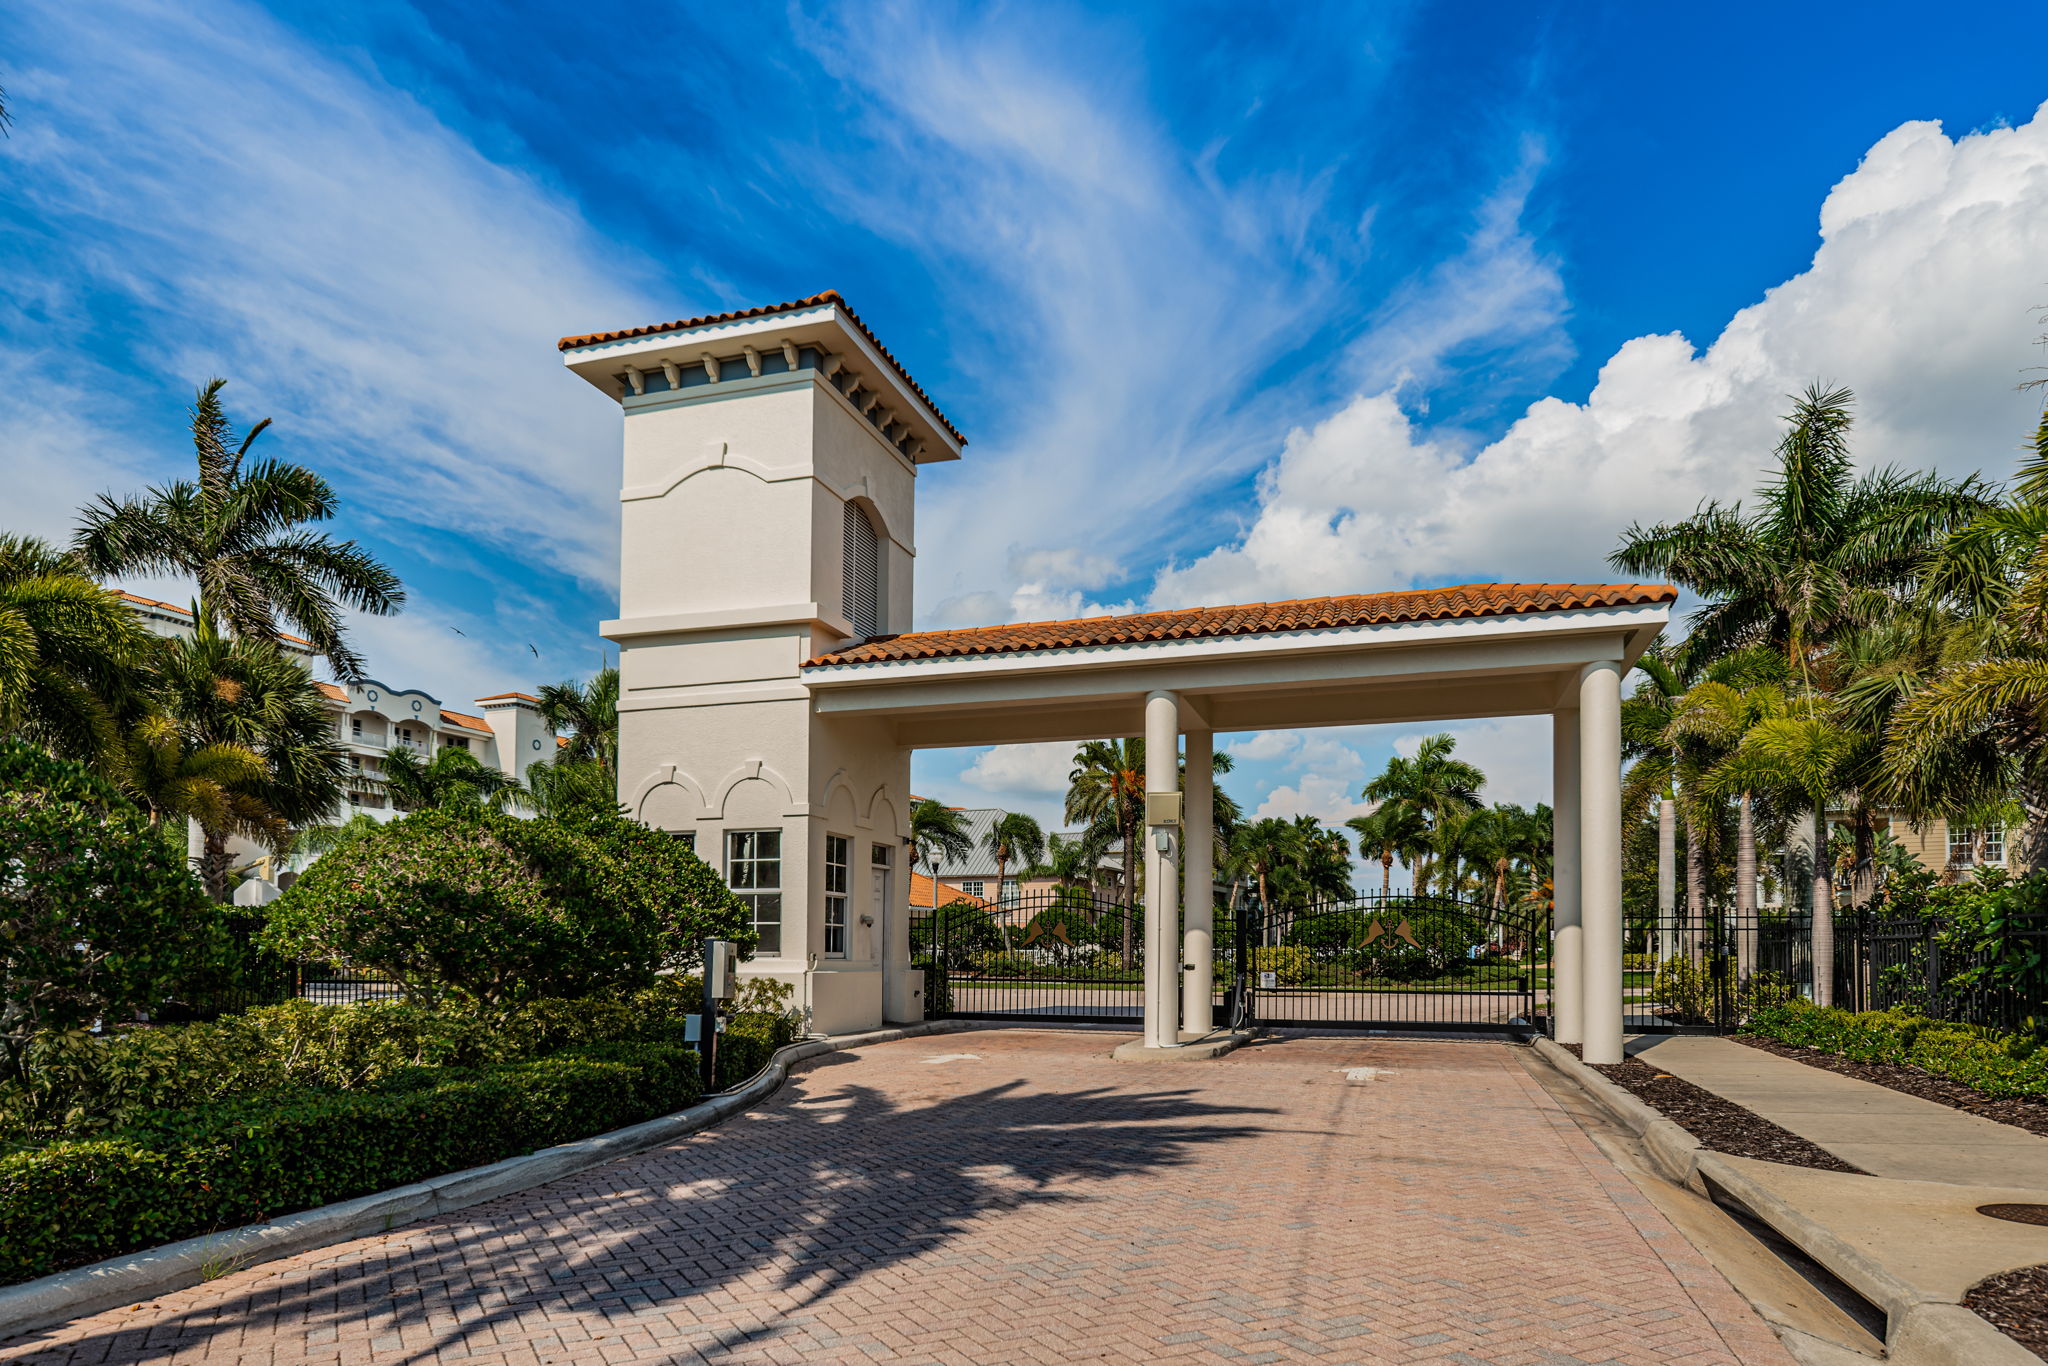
802 1198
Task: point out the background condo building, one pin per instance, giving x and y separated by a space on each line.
373 719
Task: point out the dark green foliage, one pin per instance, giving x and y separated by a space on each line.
98 915
80 1084
491 908
499 910
938 989
659 879
1998 1064
178 1174
1395 941
961 929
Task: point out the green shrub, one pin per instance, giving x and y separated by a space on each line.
99 915
957 932
1996 1063
1290 966
1685 986
938 988
80 1084
657 878
492 908
178 1174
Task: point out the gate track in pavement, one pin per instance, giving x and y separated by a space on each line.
1034 1202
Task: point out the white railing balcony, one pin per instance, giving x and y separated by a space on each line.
373 741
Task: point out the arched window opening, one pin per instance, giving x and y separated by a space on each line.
863 573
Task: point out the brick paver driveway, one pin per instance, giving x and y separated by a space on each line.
1034 1202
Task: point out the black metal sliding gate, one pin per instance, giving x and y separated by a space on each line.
1395 962
1058 954
1399 962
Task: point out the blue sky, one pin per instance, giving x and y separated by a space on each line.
1233 302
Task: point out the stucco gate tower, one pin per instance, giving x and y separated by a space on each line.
771 696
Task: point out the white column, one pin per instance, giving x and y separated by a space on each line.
1567 953
1198 859
1600 859
1162 876
1667 878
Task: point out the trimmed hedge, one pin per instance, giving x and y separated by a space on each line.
174 1175
1995 1063
80 1083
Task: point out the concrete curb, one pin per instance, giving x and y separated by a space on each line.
138 1276
1919 1330
1194 1050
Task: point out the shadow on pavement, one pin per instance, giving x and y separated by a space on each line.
821 1186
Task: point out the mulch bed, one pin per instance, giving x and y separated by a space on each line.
2022 1112
2016 1303
1719 1124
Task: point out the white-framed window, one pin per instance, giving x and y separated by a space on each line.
837 872
753 869
881 856
863 572
459 741
973 887
1009 897
1971 844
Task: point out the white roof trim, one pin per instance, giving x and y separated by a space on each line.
1647 618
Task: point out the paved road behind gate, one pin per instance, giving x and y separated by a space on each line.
1011 1195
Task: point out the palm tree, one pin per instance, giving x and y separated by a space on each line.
1391 831
1013 838
1973 728
71 654
1260 851
1106 792
317 841
1433 785
587 716
239 532
937 833
1323 872
211 784
572 785
1071 863
1825 550
453 780
246 692
1801 751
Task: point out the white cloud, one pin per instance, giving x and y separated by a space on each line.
1126 302
1264 745
1039 770
364 274
1933 251
1328 775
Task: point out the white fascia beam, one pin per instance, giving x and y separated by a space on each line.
1213 672
1609 624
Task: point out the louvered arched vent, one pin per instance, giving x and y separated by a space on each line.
863 573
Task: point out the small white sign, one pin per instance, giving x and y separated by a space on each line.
693 1029
1268 981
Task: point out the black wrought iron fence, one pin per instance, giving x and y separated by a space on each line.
265 984
1712 970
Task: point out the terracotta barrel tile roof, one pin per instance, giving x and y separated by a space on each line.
830 296
1257 618
465 721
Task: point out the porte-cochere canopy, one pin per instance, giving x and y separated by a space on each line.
1434 654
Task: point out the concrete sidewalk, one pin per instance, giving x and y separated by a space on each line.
1887 1133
